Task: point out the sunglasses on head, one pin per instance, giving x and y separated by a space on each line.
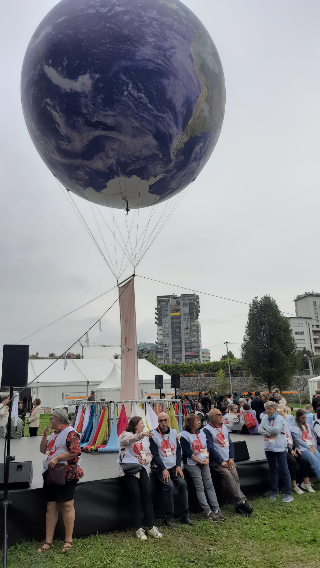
163 419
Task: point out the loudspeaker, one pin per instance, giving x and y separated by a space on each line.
15 366
20 475
241 451
175 381
158 381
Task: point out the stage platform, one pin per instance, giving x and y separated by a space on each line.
98 466
101 501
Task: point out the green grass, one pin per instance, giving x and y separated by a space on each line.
277 535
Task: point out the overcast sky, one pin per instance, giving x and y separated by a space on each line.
249 225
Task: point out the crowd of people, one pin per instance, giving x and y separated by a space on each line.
291 443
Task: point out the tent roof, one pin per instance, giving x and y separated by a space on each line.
95 371
314 379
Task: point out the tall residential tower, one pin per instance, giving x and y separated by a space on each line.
179 331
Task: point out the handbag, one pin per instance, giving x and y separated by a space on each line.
131 468
57 474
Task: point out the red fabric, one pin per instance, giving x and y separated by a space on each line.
80 421
123 421
97 430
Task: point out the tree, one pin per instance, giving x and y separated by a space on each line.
152 359
35 356
222 386
231 356
268 348
117 356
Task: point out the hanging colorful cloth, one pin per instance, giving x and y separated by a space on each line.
123 421
113 443
172 419
152 418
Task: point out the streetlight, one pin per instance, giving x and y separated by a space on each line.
226 343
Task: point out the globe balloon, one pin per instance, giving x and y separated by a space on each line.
124 99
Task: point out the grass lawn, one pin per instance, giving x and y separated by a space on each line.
277 535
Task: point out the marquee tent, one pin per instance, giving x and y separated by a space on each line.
314 384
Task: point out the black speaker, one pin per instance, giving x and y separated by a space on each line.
15 366
175 381
158 381
20 475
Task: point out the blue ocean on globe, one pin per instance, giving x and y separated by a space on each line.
124 99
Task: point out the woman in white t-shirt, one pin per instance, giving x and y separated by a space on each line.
134 464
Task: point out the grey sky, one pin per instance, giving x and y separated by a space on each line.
247 227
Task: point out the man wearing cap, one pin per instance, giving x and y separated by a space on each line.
166 465
221 455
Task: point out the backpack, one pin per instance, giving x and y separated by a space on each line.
250 421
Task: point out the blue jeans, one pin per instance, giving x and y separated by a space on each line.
280 458
314 460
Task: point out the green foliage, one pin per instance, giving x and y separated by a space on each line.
222 385
210 368
152 359
277 536
268 347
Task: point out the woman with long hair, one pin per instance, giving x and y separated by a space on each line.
134 466
304 439
61 473
196 461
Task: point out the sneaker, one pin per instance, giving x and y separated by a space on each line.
287 498
219 514
186 521
308 487
244 509
141 534
169 523
297 490
213 517
274 496
155 533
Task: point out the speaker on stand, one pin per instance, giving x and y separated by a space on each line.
14 374
159 382
175 383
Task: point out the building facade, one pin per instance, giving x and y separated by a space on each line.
305 326
205 355
146 349
178 329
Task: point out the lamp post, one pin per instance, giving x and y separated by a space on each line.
226 344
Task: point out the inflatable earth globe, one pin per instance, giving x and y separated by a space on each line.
124 99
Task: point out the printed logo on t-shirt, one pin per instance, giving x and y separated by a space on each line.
167 450
137 448
196 446
220 439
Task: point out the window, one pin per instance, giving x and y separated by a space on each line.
314 303
298 325
316 311
299 332
300 340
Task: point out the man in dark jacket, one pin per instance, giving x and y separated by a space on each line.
257 405
206 402
316 400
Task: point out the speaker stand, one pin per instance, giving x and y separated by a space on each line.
6 469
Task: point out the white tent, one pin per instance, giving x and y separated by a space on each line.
58 386
314 384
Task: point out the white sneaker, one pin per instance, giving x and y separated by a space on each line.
155 533
141 534
297 489
307 487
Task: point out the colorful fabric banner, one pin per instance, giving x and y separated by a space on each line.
123 421
152 418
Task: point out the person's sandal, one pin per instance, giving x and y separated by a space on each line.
67 546
49 545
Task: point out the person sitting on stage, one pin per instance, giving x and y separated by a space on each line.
196 461
134 465
304 439
221 455
231 417
295 459
34 418
166 464
62 446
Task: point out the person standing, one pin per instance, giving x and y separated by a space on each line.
196 462
316 400
22 414
4 415
221 459
316 428
206 402
34 418
275 447
257 405
166 464
62 446
92 396
134 465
